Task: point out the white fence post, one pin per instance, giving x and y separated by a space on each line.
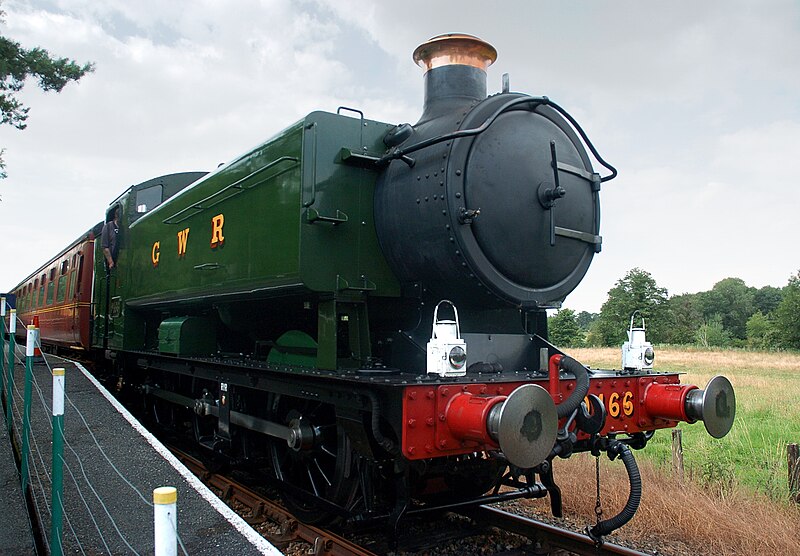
165 521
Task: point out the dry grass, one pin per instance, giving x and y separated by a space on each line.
689 359
678 519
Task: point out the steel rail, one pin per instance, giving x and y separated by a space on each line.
324 542
550 536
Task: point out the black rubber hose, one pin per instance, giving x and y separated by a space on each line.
382 441
608 525
581 386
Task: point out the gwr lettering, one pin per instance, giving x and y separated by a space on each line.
216 230
156 253
183 237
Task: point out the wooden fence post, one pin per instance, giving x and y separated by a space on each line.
793 458
677 454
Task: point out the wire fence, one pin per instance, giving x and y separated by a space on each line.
97 512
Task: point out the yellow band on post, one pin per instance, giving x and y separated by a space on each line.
58 372
165 495
31 327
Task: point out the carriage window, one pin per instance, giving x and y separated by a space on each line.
80 273
149 198
64 267
62 289
41 291
72 277
51 288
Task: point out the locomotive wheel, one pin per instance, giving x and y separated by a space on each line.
319 467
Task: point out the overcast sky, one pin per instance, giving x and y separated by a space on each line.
696 103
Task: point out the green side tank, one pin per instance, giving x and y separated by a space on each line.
290 221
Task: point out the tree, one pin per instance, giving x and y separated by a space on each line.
636 291
761 332
767 299
712 334
685 317
16 65
787 314
732 300
585 319
593 337
563 329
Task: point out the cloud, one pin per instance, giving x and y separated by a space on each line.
695 103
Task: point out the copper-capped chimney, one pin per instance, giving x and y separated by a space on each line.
455 71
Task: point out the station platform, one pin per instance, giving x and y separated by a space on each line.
15 528
111 466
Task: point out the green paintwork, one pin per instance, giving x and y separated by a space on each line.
298 220
187 336
294 348
125 325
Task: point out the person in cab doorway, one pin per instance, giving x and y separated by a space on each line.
108 240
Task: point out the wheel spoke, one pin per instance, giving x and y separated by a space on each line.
321 472
324 470
311 480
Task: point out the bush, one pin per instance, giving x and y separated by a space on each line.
712 334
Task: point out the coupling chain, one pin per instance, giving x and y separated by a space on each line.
598 508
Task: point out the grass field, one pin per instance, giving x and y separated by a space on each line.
735 498
753 454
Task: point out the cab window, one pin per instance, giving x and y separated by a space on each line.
148 198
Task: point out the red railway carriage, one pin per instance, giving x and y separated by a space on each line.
60 294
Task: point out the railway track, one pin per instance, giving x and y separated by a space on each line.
261 509
548 538
545 538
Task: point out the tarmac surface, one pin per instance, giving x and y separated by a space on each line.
15 528
111 466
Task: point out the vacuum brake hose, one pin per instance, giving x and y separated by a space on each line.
382 441
608 525
581 387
